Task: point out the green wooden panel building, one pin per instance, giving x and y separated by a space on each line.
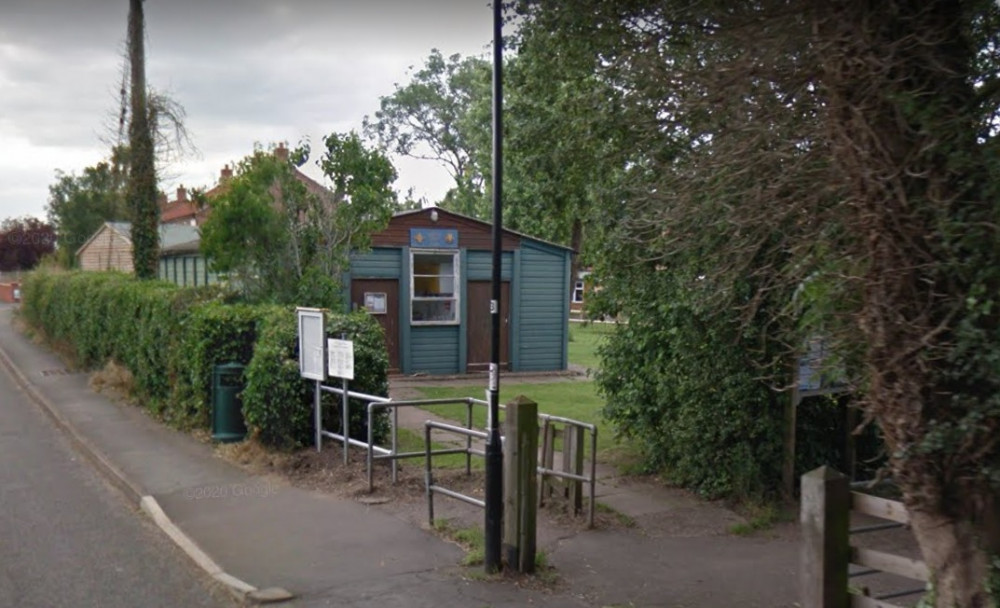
427 279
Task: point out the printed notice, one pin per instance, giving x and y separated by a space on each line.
340 358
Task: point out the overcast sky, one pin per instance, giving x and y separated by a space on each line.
246 71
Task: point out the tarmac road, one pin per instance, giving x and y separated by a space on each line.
67 538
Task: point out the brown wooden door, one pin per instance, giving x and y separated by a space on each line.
480 326
380 297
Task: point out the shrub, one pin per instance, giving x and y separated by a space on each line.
278 403
213 333
171 338
689 384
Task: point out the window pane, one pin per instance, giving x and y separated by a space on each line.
433 275
434 295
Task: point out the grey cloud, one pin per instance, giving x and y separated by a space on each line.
245 70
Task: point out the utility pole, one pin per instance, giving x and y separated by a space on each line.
494 450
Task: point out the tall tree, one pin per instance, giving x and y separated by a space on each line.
284 238
141 192
79 204
564 134
436 116
842 158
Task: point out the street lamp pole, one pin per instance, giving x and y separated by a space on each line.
494 450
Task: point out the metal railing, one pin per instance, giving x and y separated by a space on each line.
375 453
345 418
394 455
430 487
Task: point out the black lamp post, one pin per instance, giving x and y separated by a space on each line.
494 451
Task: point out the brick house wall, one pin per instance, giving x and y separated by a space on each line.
7 292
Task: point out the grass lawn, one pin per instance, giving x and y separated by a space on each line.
576 400
411 441
583 341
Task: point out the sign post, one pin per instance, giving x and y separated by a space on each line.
341 365
312 355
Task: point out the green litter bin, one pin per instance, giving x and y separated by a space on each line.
227 407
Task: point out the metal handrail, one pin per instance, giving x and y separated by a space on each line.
375 452
429 486
394 455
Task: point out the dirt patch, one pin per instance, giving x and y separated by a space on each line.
406 498
113 380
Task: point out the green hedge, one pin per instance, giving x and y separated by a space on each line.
273 379
170 338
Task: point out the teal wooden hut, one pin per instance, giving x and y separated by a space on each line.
427 279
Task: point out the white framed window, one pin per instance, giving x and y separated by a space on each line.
434 280
578 292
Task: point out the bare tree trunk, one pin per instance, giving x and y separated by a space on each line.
959 553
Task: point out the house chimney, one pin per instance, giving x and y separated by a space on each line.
181 194
225 175
281 152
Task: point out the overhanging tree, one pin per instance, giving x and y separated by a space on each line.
841 156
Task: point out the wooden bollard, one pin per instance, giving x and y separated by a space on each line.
520 463
824 519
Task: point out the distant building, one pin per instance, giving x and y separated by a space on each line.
110 247
427 280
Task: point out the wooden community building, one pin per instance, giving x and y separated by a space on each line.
426 279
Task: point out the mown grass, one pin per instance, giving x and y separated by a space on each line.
411 441
569 399
584 338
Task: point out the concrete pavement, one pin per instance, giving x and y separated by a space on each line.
66 536
261 533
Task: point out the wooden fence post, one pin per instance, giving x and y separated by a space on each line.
548 459
520 479
825 517
573 451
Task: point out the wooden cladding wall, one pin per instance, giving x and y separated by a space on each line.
544 305
480 266
472 234
108 250
434 349
377 264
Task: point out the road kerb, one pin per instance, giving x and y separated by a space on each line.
236 587
82 445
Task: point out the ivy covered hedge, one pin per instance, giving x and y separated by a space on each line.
693 402
692 385
170 339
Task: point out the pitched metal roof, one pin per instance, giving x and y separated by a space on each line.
170 234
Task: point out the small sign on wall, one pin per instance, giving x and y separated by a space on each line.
434 238
375 302
341 358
